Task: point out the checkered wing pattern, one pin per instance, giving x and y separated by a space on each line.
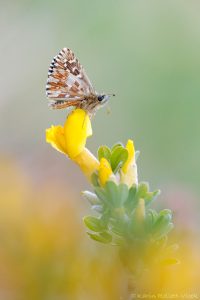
67 82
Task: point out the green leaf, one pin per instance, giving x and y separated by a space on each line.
118 227
102 195
102 237
166 212
112 195
163 225
151 196
105 218
117 145
105 152
111 190
163 217
134 227
117 241
151 217
123 193
143 189
118 157
149 222
131 201
118 230
93 224
143 192
116 194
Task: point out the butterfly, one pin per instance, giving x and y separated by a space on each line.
69 86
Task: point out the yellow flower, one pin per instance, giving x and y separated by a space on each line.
71 140
55 136
131 156
77 129
105 171
129 174
87 162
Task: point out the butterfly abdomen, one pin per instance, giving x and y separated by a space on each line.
60 104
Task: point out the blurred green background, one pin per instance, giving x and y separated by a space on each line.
146 52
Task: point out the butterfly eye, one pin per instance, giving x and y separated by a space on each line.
101 97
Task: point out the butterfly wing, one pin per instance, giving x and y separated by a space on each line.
67 81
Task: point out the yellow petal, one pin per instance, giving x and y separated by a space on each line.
76 130
55 136
129 174
131 156
130 177
105 171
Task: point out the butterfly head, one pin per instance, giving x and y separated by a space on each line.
102 98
